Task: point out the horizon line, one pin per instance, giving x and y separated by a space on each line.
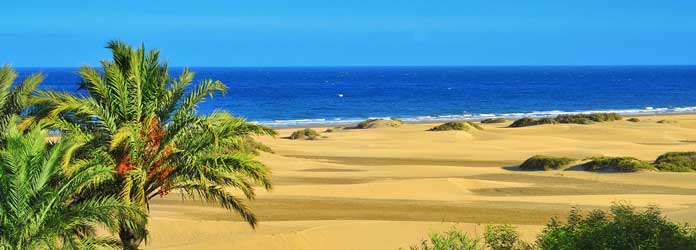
395 66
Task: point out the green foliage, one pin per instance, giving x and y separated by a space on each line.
588 118
623 228
676 162
379 123
504 237
456 125
450 240
569 118
526 121
543 162
493 120
14 99
145 123
633 119
42 203
616 164
305 134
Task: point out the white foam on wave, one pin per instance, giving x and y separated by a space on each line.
468 116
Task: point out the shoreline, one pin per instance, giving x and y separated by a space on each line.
477 119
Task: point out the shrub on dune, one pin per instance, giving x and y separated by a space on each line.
676 162
633 119
379 123
543 162
305 134
456 125
666 121
493 120
616 164
570 118
524 122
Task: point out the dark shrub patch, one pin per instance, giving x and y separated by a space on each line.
494 120
616 164
676 162
458 125
574 119
523 122
543 162
667 121
633 119
305 134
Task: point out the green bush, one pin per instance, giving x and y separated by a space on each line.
305 134
450 240
633 119
494 120
379 123
456 125
622 228
569 118
526 121
543 162
504 237
523 122
616 164
676 162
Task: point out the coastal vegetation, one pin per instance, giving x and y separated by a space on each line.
568 118
633 119
379 123
305 134
616 164
666 121
526 121
544 162
676 162
45 201
667 162
143 123
493 120
456 125
14 98
623 227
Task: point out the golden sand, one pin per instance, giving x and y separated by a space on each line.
389 187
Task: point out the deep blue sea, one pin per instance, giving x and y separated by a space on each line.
296 96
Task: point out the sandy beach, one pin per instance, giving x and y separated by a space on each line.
387 188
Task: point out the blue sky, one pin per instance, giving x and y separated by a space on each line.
367 32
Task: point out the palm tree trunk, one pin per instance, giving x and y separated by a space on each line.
129 239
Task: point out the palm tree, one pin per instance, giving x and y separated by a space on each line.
40 187
14 99
144 120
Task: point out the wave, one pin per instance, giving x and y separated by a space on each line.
481 116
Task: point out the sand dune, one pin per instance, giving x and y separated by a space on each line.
389 187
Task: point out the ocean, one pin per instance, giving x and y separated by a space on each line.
303 96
